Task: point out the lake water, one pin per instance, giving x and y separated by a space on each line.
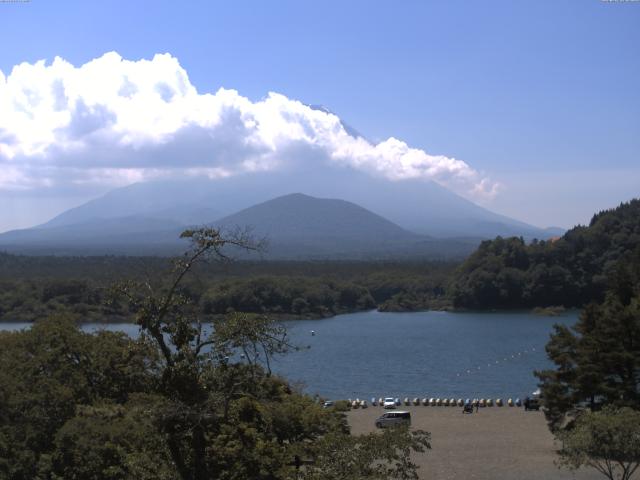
422 354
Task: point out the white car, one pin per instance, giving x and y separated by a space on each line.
389 402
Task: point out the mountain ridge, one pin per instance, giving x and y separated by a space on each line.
298 226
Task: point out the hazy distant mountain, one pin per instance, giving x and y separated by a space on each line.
296 226
299 225
134 235
418 206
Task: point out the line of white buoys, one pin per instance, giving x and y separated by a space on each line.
438 402
496 362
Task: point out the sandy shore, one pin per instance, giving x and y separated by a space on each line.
496 443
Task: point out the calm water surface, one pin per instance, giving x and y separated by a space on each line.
422 354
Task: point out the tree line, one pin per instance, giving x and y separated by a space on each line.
570 271
81 286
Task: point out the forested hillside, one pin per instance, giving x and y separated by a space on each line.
32 288
569 271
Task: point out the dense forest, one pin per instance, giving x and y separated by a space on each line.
34 287
569 271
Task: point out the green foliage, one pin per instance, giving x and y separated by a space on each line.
36 287
179 402
47 372
598 360
289 295
608 441
373 456
571 271
112 441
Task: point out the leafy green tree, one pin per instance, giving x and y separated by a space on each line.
608 441
598 360
222 418
112 442
46 372
374 456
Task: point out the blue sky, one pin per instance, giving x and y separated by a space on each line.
543 97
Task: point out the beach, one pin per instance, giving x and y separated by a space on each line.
495 443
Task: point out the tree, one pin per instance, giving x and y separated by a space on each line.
598 360
181 401
608 441
50 371
223 417
374 456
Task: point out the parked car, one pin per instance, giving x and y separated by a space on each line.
389 402
390 419
531 404
327 404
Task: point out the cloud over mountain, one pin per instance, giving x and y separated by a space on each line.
113 121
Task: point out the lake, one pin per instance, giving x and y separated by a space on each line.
421 354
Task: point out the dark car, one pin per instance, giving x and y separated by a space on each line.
531 404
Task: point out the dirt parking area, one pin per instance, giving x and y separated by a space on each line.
495 443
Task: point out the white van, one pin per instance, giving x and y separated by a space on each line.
389 419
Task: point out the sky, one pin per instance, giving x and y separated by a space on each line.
529 108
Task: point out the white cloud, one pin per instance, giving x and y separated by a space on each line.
113 121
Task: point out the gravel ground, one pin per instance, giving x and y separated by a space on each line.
495 443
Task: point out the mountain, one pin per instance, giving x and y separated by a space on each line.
296 226
132 235
419 206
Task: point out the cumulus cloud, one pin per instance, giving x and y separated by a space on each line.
113 121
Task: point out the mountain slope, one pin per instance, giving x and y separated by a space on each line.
299 217
419 206
296 226
300 225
